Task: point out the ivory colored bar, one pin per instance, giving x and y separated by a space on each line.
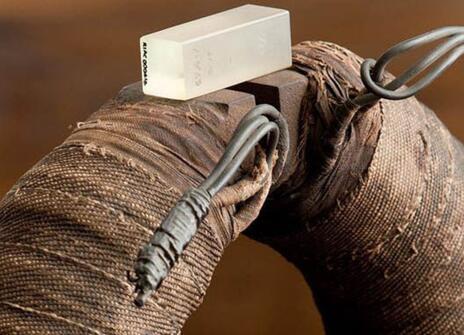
215 52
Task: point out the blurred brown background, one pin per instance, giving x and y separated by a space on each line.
60 60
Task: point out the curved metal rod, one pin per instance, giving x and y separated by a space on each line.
241 134
258 116
158 256
372 71
411 44
260 132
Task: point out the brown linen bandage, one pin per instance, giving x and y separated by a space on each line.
372 216
376 228
72 226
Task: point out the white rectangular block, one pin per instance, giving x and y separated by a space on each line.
215 52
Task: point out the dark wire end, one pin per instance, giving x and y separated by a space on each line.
160 254
372 72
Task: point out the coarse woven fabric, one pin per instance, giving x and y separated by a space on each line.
377 228
373 220
72 226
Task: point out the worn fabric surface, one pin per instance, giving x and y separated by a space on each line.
372 215
72 226
376 229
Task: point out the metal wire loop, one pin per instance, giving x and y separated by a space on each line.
263 123
372 71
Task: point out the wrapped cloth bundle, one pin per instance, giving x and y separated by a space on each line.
72 226
371 213
374 220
